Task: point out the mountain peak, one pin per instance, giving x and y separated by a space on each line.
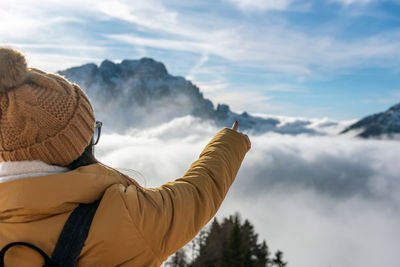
152 66
395 108
109 69
384 123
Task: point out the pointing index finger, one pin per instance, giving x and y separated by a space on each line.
235 125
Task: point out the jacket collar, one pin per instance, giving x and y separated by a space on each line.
39 197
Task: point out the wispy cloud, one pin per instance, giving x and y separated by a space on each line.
284 88
262 5
286 51
350 2
274 47
193 71
167 44
150 14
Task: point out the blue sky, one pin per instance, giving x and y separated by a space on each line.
335 58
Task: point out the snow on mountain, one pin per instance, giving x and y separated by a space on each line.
384 123
141 93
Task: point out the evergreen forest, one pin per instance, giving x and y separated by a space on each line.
229 243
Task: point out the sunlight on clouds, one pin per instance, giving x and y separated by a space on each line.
66 56
32 17
55 62
57 46
15 26
34 28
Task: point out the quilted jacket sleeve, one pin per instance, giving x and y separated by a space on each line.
170 216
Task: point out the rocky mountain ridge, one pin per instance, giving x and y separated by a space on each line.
141 93
384 123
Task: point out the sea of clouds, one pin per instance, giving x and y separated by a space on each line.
324 200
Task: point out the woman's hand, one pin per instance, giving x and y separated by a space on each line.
235 127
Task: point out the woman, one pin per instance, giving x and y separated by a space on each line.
47 169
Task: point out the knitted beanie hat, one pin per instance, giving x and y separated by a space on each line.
42 115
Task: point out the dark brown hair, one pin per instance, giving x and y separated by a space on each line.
86 158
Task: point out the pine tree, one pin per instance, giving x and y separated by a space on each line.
262 253
197 245
178 259
232 243
257 255
234 253
210 250
278 261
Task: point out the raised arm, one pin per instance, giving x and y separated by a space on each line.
171 215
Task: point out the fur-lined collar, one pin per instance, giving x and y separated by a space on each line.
13 170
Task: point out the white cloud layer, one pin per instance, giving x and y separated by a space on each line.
324 201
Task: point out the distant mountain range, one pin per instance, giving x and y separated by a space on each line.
141 93
384 123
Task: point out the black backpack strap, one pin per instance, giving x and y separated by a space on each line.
70 242
47 260
73 235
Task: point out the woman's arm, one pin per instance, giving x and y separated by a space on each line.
172 215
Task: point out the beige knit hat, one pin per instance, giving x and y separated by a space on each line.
42 115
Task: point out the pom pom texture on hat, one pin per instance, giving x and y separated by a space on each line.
13 70
42 115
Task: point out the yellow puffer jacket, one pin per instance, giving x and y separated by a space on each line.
133 226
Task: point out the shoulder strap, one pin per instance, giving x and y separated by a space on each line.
73 235
47 260
70 242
